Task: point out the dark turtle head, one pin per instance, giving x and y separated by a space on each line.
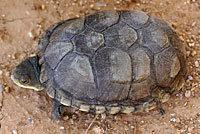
27 74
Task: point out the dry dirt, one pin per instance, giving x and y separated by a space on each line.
24 111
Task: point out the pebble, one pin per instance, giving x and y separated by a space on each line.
30 34
31 120
7 89
103 116
2 87
196 64
181 96
62 128
43 6
1 116
173 114
191 44
7 74
1 72
66 118
74 117
194 53
132 127
173 120
188 53
14 131
187 93
190 77
174 25
100 4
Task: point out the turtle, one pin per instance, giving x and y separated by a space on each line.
112 61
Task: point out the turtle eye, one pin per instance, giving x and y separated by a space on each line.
24 80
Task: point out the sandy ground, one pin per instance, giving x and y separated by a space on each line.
24 111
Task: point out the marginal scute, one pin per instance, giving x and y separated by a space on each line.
166 67
55 51
128 109
147 106
65 101
50 89
84 108
88 42
68 29
175 67
113 110
45 74
120 35
101 20
136 19
140 90
141 64
100 109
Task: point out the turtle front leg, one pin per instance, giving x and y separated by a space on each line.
58 109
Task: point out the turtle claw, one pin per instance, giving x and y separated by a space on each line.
58 110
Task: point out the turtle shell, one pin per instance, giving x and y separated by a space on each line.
113 61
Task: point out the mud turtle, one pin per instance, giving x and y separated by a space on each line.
110 61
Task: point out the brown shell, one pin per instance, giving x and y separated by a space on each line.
113 61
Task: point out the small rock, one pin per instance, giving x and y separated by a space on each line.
1 116
181 38
132 127
191 44
194 53
7 74
1 72
100 4
31 120
193 24
116 117
187 93
3 15
178 120
125 122
7 89
21 123
103 116
188 53
181 96
30 34
2 87
98 130
173 114
62 127
196 63
173 120
43 6
92 6
65 118
74 117
14 131
174 25
190 77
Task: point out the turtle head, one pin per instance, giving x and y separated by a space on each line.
27 74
